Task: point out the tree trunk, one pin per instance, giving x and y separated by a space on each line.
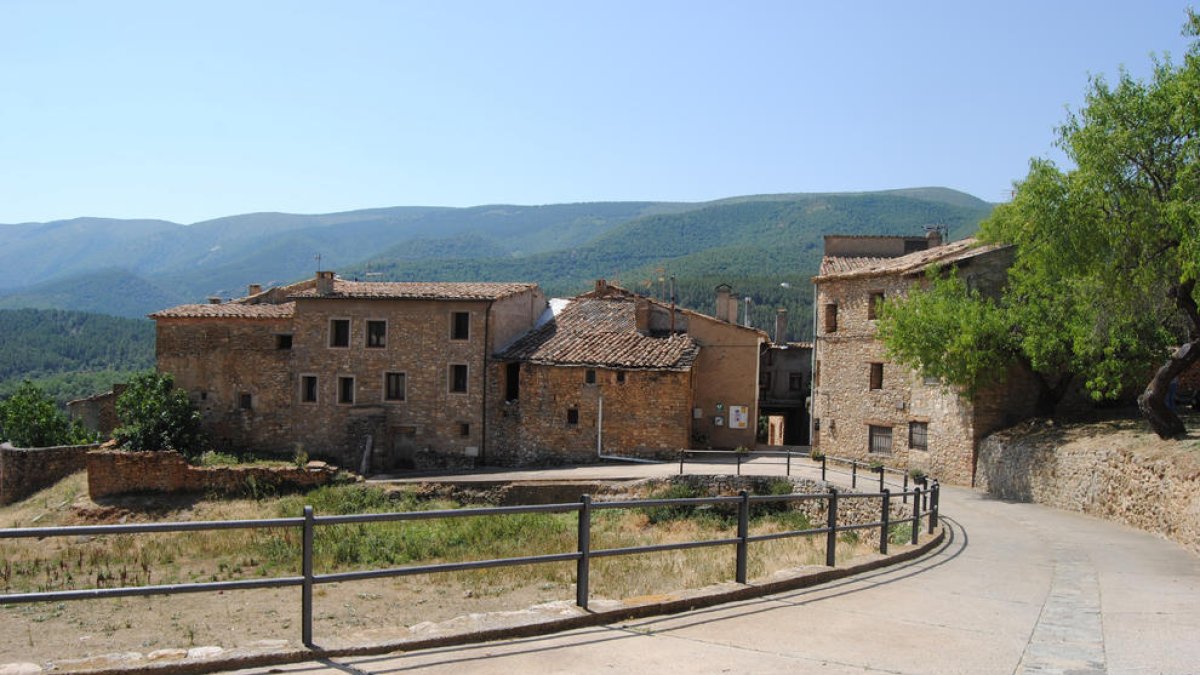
1153 401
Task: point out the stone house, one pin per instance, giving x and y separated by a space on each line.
864 406
374 375
613 373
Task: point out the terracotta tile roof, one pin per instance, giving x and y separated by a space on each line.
833 267
602 332
228 310
406 290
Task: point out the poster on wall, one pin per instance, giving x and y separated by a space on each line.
739 416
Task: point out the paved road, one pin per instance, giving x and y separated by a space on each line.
1015 588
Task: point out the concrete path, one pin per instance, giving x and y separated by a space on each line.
1015 588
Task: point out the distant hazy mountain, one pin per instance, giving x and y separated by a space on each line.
131 268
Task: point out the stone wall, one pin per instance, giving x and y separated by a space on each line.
97 413
646 415
24 471
117 472
1109 476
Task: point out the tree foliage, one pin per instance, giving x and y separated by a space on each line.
30 419
154 415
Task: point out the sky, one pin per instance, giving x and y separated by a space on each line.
187 111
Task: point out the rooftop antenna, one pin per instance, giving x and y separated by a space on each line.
318 259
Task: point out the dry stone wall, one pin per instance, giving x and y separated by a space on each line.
117 472
24 471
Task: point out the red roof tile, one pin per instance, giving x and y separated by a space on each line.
228 310
833 267
406 290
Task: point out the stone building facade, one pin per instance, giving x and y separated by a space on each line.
869 408
377 376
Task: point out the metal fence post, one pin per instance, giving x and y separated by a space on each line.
306 569
789 463
884 517
916 517
831 524
743 534
933 505
681 455
854 474
739 460
881 472
582 578
822 468
904 496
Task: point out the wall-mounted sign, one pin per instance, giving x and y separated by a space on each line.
719 421
720 407
697 413
739 416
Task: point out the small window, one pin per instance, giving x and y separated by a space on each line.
339 332
795 381
308 389
283 341
460 327
512 382
816 373
394 386
620 377
918 435
831 318
876 376
464 429
458 378
376 334
880 439
873 304
590 377
246 401
346 390
572 416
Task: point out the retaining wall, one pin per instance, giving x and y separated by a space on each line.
115 472
24 471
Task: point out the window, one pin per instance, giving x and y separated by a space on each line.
339 332
873 304
246 401
620 377
880 439
876 376
458 378
831 318
346 390
795 381
394 385
816 373
308 389
512 382
590 377
460 326
376 334
464 429
918 435
572 416
283 341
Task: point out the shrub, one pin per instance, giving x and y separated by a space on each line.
154 415
30 419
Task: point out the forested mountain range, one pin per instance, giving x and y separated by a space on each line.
766 246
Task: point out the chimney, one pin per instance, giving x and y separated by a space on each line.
934 237
601 287
724 300
254 289
781 320
749 306
214 300
325 282
643 315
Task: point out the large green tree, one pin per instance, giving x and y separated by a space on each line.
154 415
1108 249
30 419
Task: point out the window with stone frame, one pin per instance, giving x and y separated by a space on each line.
395 387
458 378
572 415
876 376
376 334
246 401
816 373
460 326
464 429
620 377
918 435
873 303
308 388
589 377
339 333
346 390
879 440
283 341
795 381
831 319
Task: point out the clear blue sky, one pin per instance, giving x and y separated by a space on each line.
193 110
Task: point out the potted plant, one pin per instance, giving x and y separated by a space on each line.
877 466
919 476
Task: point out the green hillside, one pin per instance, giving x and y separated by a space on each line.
71 354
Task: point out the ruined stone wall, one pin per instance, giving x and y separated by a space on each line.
724 375
97 413
24 471
1109 479
116 472
218 361
647 415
